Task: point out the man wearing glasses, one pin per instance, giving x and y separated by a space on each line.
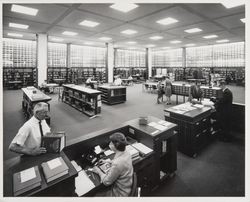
28 139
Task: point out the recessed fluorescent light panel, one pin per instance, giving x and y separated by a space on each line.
15 35
222 41
175 42
150 45
129 32
56 39
20 26
193 30
167 21
24 10
89 23
131 42
105 38
210 36
243 20
69 33
88 43
231 4
156 37
124 7
167 47
190 44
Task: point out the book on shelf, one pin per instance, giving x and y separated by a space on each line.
54 142
54 169
26 180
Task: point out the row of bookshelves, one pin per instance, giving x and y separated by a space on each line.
20 76
125 72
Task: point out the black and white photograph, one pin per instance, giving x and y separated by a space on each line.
124 99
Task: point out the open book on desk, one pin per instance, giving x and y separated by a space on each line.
83 183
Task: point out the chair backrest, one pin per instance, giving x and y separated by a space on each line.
134 186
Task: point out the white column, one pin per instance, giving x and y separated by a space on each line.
68 55
149 61
184 57
110 62
42 57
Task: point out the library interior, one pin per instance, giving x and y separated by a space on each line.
123 99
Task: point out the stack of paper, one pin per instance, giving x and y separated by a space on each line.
133 152
76 166
83 184
157 126
165 123
142 148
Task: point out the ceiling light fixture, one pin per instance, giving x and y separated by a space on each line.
129 32
167 21
175 42
222 41
232 4
150 45
243 20
69 33
190 44
20 26
89 23
15 35
124 7
56 39
210 36
193 30
156 38
88 43
105 38
132 42
24 10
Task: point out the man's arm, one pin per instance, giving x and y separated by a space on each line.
24 150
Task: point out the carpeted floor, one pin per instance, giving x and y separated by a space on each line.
217 171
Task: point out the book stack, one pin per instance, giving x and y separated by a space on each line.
143 149
54 169
133 152
54 142
26 180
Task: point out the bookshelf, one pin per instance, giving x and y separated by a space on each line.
86 100
55 74
113 94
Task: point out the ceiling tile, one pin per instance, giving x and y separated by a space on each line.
74 18
215 10
183 16
140 11
231 21
26 36
47 13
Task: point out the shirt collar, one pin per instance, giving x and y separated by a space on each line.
35 119
118 154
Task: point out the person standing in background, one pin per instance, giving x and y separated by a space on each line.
160 92
168 90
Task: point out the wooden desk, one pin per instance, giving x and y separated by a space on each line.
113 94
147 167
59 81
51 86
193 127
63 186
86 100
127 82
30 99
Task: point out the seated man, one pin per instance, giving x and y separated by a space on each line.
120 175
90 83
28 139
118 81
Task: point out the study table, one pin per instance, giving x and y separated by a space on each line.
32 96
194 126
151 168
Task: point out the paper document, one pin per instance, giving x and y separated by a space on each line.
162 122
27 174
165 123
160 127
142 148
54 163
76 166
98 149
83 184
152 124
108 152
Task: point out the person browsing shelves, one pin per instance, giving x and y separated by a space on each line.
90 83
120 175
28 139
195 92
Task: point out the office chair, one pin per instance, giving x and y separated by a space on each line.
135 191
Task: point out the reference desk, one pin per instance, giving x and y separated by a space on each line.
86 100
113 94
194 127
152 168
32 96
63 186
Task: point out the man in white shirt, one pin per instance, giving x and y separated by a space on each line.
90 83
118 81
28 139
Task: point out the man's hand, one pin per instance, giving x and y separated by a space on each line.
37 151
